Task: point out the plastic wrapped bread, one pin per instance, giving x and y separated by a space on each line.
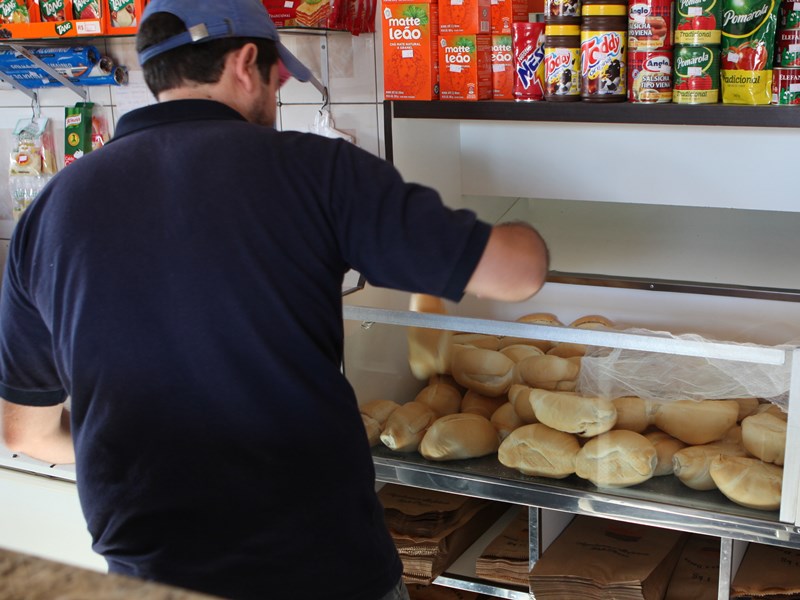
539 450
691 465
747 407
442 398
459 436
697 422
666 446
487 372
748 481
617 459
764 436
571 413
406 427
428 349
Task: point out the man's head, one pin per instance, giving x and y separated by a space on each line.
185 44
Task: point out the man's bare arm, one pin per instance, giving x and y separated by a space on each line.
41 432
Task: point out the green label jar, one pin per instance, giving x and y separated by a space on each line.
696 77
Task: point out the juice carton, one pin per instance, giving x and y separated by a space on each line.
123 16
410 54
502 67
506 12
465 16
465 66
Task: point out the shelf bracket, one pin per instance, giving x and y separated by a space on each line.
19 87
50 71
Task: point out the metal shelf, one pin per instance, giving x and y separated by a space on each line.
660 502
612 112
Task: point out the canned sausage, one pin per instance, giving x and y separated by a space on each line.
649 25
650 76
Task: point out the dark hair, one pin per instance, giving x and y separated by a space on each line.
201 63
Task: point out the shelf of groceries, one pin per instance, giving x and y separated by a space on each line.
447 463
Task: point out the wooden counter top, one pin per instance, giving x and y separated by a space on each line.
25 577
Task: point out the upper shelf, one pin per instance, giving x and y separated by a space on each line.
598 112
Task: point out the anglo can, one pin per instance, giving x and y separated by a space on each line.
650 76
696 75
786 86
649 25
698 21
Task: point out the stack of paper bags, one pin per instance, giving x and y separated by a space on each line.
768 572
432 529
506 558
696 575
437 592
601 558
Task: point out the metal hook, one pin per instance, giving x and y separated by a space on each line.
35 106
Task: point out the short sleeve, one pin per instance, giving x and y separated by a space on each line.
400 235
28 373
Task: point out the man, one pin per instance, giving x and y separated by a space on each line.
183 286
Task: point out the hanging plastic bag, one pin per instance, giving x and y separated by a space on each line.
323 125
32 162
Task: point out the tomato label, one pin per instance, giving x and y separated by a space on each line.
696 75
786 86
748 45
697 21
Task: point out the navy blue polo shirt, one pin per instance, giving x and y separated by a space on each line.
183 286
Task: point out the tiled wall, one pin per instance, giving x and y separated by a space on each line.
348 61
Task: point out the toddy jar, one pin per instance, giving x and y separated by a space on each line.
562 55
604 31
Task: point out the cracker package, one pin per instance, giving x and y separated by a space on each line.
32 162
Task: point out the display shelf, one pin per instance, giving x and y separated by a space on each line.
660 501
611 112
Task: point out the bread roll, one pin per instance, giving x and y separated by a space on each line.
477 340
517 352
634 413
406 427
519 396
747 406
616 459
546 371
487 372
448 379
772 409
539 450
372 428
697 422
533 319
479 404
764 436
428 349
379 410
570 349
666 446
443 399
454 437
505 420
748 481
691 464
584 416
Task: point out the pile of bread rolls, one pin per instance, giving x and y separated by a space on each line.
516 397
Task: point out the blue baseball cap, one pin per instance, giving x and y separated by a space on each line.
213 20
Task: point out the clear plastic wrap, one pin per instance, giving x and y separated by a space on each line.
615 372
32 162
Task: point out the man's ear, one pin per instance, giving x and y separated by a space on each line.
244 68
